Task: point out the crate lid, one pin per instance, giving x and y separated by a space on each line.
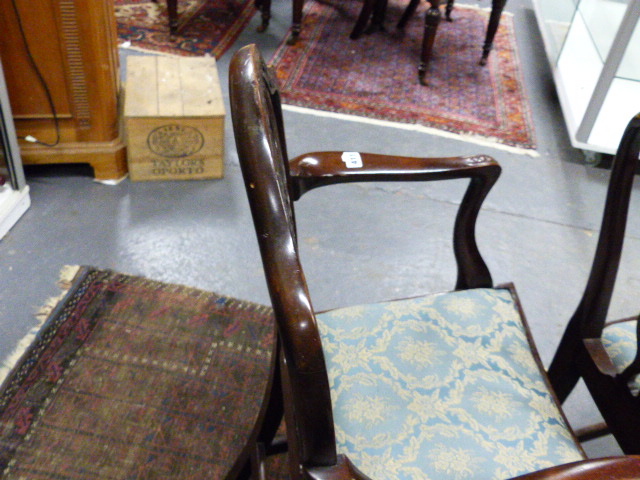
159 86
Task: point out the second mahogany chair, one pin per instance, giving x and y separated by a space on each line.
606 354
440 386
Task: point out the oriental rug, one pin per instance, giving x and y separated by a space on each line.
129 378
376 77
205 26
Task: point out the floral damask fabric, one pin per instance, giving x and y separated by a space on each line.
620 342
443 386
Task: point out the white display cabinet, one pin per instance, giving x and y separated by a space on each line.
593 47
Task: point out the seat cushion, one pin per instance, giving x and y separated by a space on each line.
620 341
441 386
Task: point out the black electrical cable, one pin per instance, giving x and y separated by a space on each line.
42 82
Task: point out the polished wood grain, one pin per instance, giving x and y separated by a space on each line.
273 184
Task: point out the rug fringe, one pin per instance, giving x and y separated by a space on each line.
479 140
67 273
12 359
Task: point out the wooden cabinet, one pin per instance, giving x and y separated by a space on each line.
73 43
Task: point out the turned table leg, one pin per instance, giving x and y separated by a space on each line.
264 6
296 24
431 22
172 10
494 20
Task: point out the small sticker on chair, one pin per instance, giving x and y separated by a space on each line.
352 159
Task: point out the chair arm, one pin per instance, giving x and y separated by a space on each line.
317 169
613 468
326 168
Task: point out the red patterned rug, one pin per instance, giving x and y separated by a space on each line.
205 26
135 379
376 75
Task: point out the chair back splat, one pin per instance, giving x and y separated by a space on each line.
440 386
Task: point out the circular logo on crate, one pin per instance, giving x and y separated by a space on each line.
175 141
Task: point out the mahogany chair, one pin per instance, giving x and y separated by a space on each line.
446 385
606 355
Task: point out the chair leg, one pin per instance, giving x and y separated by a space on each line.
408 13
172 10
263 441
431 21
494 20
374 9
563 373
264 6
363 19
448 10
296 24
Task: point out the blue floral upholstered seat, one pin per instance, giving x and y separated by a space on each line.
441 386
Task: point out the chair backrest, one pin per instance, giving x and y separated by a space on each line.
259 133
594 306
582 352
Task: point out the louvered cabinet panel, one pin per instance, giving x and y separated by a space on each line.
73 43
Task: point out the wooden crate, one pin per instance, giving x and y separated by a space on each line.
174 118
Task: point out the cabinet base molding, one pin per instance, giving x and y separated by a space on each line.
108 159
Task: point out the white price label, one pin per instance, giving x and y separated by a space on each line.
352 159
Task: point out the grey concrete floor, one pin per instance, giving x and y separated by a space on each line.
538 228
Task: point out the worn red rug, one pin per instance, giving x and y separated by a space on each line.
376 76
205 26
135 379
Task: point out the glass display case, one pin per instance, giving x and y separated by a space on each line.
593 47
14 192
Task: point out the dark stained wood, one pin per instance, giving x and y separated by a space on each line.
327 168
262 440
497 6
581 353
273 183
